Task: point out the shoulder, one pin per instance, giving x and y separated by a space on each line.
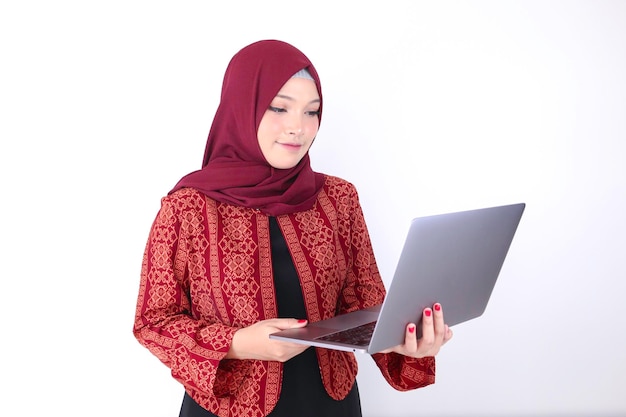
341 194
184 199
340 186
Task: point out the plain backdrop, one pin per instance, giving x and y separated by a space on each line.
430 106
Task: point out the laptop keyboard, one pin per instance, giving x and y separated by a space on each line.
360 335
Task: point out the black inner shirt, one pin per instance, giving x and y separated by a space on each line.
302 393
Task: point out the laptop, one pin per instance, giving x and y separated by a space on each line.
452 258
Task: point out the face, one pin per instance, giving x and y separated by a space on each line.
290 123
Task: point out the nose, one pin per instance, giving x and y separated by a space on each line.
294 127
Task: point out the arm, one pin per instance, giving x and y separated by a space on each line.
164 324
186 336
365 288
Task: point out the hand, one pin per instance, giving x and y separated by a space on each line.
435 333
253 342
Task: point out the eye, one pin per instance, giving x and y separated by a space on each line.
315 113
276 109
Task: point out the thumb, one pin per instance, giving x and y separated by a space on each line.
283 324
297 323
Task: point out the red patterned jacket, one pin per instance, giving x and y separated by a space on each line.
207 272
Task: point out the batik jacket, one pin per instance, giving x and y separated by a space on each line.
207 272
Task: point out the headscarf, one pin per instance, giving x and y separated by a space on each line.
234 169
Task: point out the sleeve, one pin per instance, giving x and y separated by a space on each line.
164 323
364 288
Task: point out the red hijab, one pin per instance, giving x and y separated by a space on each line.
234 169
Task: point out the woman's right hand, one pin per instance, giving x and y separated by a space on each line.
253 342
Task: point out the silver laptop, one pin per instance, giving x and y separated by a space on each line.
453 259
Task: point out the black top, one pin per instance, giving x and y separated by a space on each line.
302 393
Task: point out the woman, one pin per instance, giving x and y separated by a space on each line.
257 242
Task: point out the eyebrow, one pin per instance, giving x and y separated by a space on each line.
315 100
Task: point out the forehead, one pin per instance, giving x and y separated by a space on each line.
299 89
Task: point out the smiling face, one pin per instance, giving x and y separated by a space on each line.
290 123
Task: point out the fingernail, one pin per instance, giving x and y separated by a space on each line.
302 321
411 329
437 306
427 313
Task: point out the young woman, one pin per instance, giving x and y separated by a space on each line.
255 242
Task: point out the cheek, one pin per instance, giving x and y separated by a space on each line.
312 126
266 131
272 126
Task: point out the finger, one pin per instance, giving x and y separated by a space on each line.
296 323
439 323
410 337
299 323
448 334
428 332
288 323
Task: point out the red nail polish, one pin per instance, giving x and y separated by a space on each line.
301 321
411 329
427 313
437 306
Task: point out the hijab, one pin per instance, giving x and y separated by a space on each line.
234 169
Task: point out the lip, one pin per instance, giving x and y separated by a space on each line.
291 146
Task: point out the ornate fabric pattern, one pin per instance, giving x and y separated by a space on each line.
207 272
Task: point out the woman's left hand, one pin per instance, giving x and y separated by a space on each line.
435 333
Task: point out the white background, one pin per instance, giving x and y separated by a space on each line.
429 107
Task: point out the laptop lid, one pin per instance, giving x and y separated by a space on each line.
453 258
